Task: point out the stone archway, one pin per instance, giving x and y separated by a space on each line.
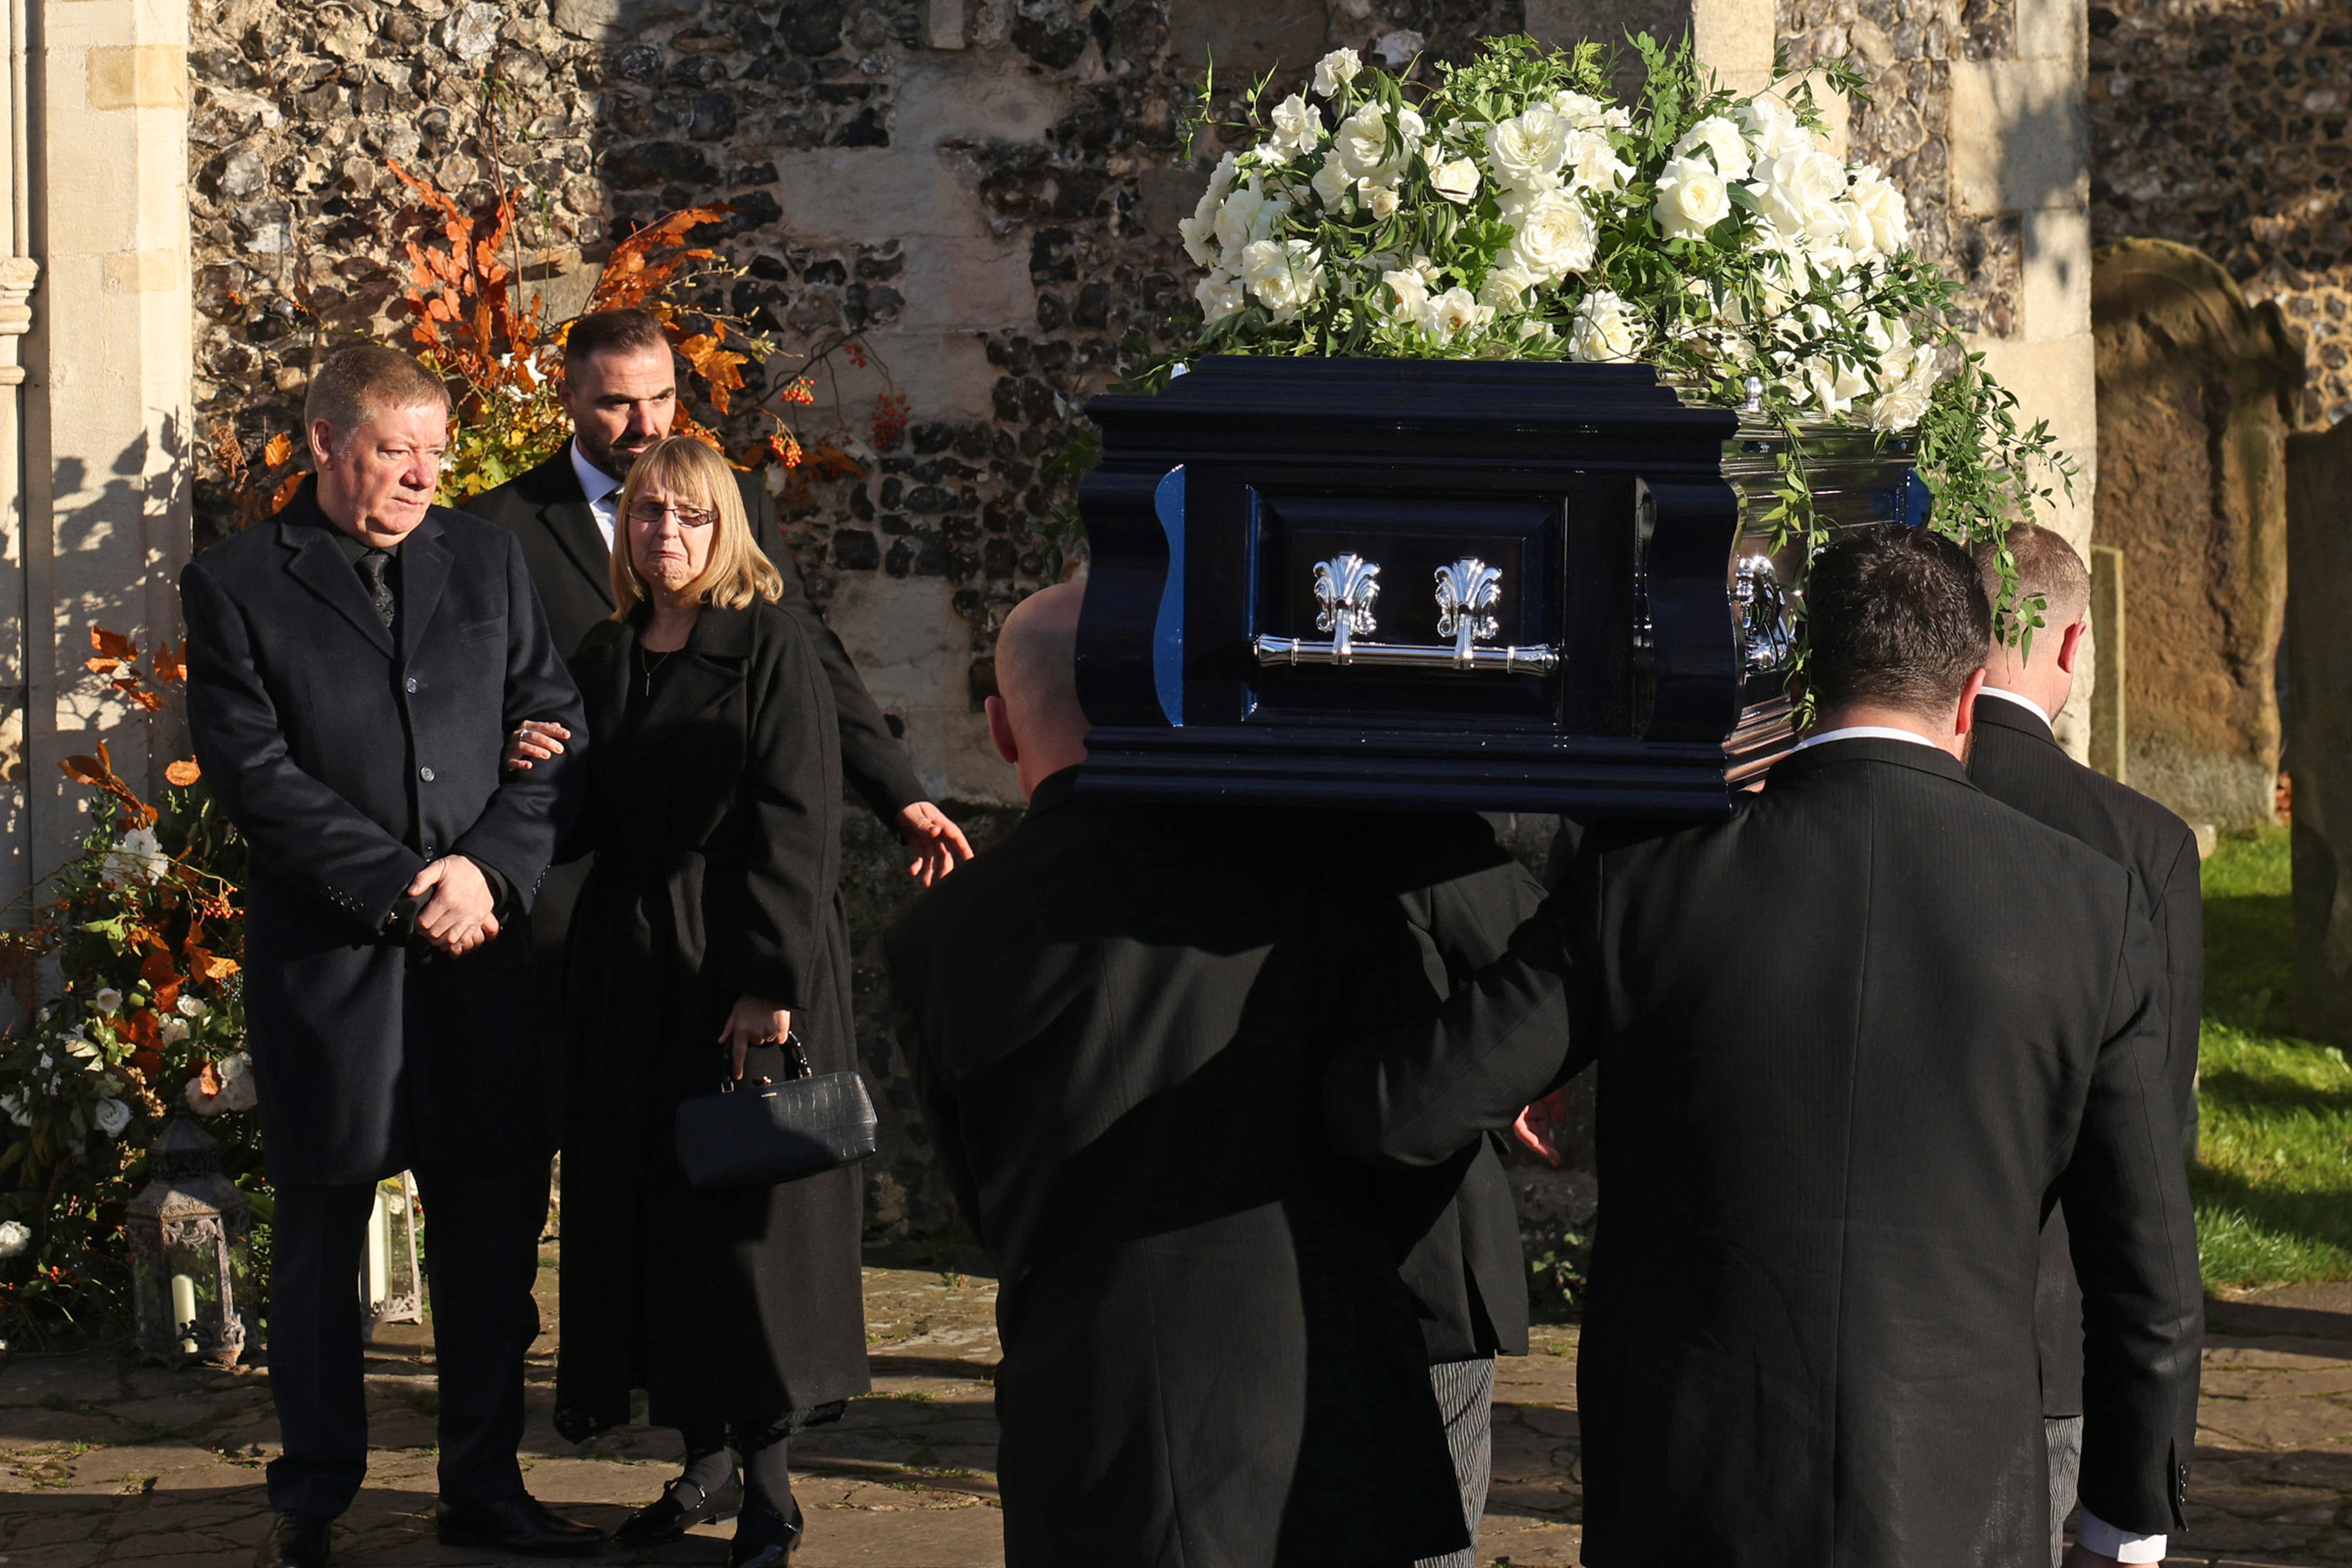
2197 393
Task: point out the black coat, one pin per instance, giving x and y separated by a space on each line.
546 509
1116 1020
1828 1142
348 762
2017 761
714 810
1462 896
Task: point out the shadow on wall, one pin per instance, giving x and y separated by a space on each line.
2197 393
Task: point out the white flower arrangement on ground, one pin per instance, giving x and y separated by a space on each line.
1513 210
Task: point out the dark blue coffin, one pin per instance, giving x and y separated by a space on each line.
1442 585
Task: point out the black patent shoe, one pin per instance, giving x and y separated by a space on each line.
681 1506
763 1538
519 1525
295 1540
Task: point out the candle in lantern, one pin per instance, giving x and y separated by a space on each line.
183 1312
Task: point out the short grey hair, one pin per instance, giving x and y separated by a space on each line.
361 380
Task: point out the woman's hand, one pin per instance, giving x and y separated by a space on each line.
756 1020
938 844
534 740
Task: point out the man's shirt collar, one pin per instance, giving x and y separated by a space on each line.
595 482
2028 704
1866 732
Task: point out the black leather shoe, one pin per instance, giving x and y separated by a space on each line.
518 1524
295 1540
763 1538
681 1506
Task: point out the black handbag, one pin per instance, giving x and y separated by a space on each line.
766 1133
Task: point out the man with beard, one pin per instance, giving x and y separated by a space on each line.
620 387
1855 1041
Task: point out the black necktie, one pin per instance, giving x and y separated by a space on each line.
376 566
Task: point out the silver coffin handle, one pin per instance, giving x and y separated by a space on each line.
1345 588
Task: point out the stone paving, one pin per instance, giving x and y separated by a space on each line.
103 1463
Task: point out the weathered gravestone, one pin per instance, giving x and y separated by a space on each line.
2319 726
2197 393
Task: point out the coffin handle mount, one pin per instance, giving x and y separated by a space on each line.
1467 590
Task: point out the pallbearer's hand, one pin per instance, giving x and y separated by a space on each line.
938 844
534 740
755 1020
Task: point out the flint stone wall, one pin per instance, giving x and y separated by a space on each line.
2198 391
2223 124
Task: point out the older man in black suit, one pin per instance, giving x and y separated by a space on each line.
1855 1041
355 665
2017 761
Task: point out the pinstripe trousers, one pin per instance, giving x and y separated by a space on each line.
1465 1398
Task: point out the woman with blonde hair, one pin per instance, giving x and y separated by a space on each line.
709 932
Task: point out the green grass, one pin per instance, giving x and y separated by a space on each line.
2274 1178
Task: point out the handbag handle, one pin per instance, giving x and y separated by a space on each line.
796 1064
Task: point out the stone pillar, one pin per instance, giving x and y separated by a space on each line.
2319 724
2020 156
18 274
1734 36
109 437
2196 394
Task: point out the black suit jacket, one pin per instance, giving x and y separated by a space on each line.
2017 761
1828 1149
1115 1021
547 512
348 762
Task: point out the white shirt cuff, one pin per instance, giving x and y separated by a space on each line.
2096 1534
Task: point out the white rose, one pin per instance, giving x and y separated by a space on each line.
1531 328
1582 111
107 999
240 1094
1284 273
1332 180
1723 142
1606 330
1295 124
1772 126
1832 383
1383 200
234 1066
1593 162
1454 311
137 857
1799 190
1904 403
1247 215
192 1008
1335 69
1527 150
112 1116
1200 230
14 1238
1552 234
1456 182
202 1103
1882 206
1507 287
1691 199
1412 293
1219 296
1362 143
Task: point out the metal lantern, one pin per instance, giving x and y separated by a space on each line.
391 1286
190 1255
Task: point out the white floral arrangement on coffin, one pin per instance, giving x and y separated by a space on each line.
1514 210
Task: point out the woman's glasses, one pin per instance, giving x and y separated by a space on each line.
652 512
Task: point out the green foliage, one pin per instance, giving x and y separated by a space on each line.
2274 1178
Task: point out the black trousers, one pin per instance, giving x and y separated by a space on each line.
481 1246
